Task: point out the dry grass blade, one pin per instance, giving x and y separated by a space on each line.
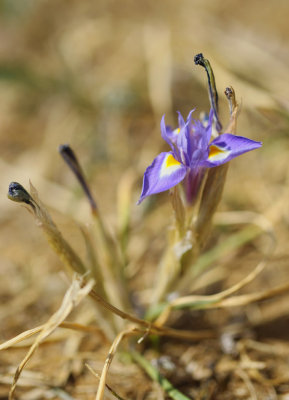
235 301
196 302
245 299
117 396
76 292
66 325
19 338
67 255
209 302
112 351
150 327
233 242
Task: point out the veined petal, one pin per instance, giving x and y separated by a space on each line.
169 134
227 146
182 144
198 141
164 132
189 117
180 119
164 173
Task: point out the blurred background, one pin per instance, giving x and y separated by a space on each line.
99 75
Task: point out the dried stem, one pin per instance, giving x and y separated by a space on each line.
71 160
150 327
117 396
112 351
213 94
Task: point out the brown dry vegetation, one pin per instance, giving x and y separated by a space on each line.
99 75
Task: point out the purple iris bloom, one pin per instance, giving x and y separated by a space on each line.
191 153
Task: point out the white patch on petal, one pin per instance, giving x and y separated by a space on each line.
169 166
218 154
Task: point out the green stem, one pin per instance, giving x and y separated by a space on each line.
153 373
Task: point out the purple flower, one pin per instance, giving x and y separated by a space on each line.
191 153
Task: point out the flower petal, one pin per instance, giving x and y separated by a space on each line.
227 146
168 134
180 120
165 132
189 117
183 143
198 137
164 173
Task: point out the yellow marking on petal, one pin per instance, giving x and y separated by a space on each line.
217 154
169 166
171 161
214 150
177 131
